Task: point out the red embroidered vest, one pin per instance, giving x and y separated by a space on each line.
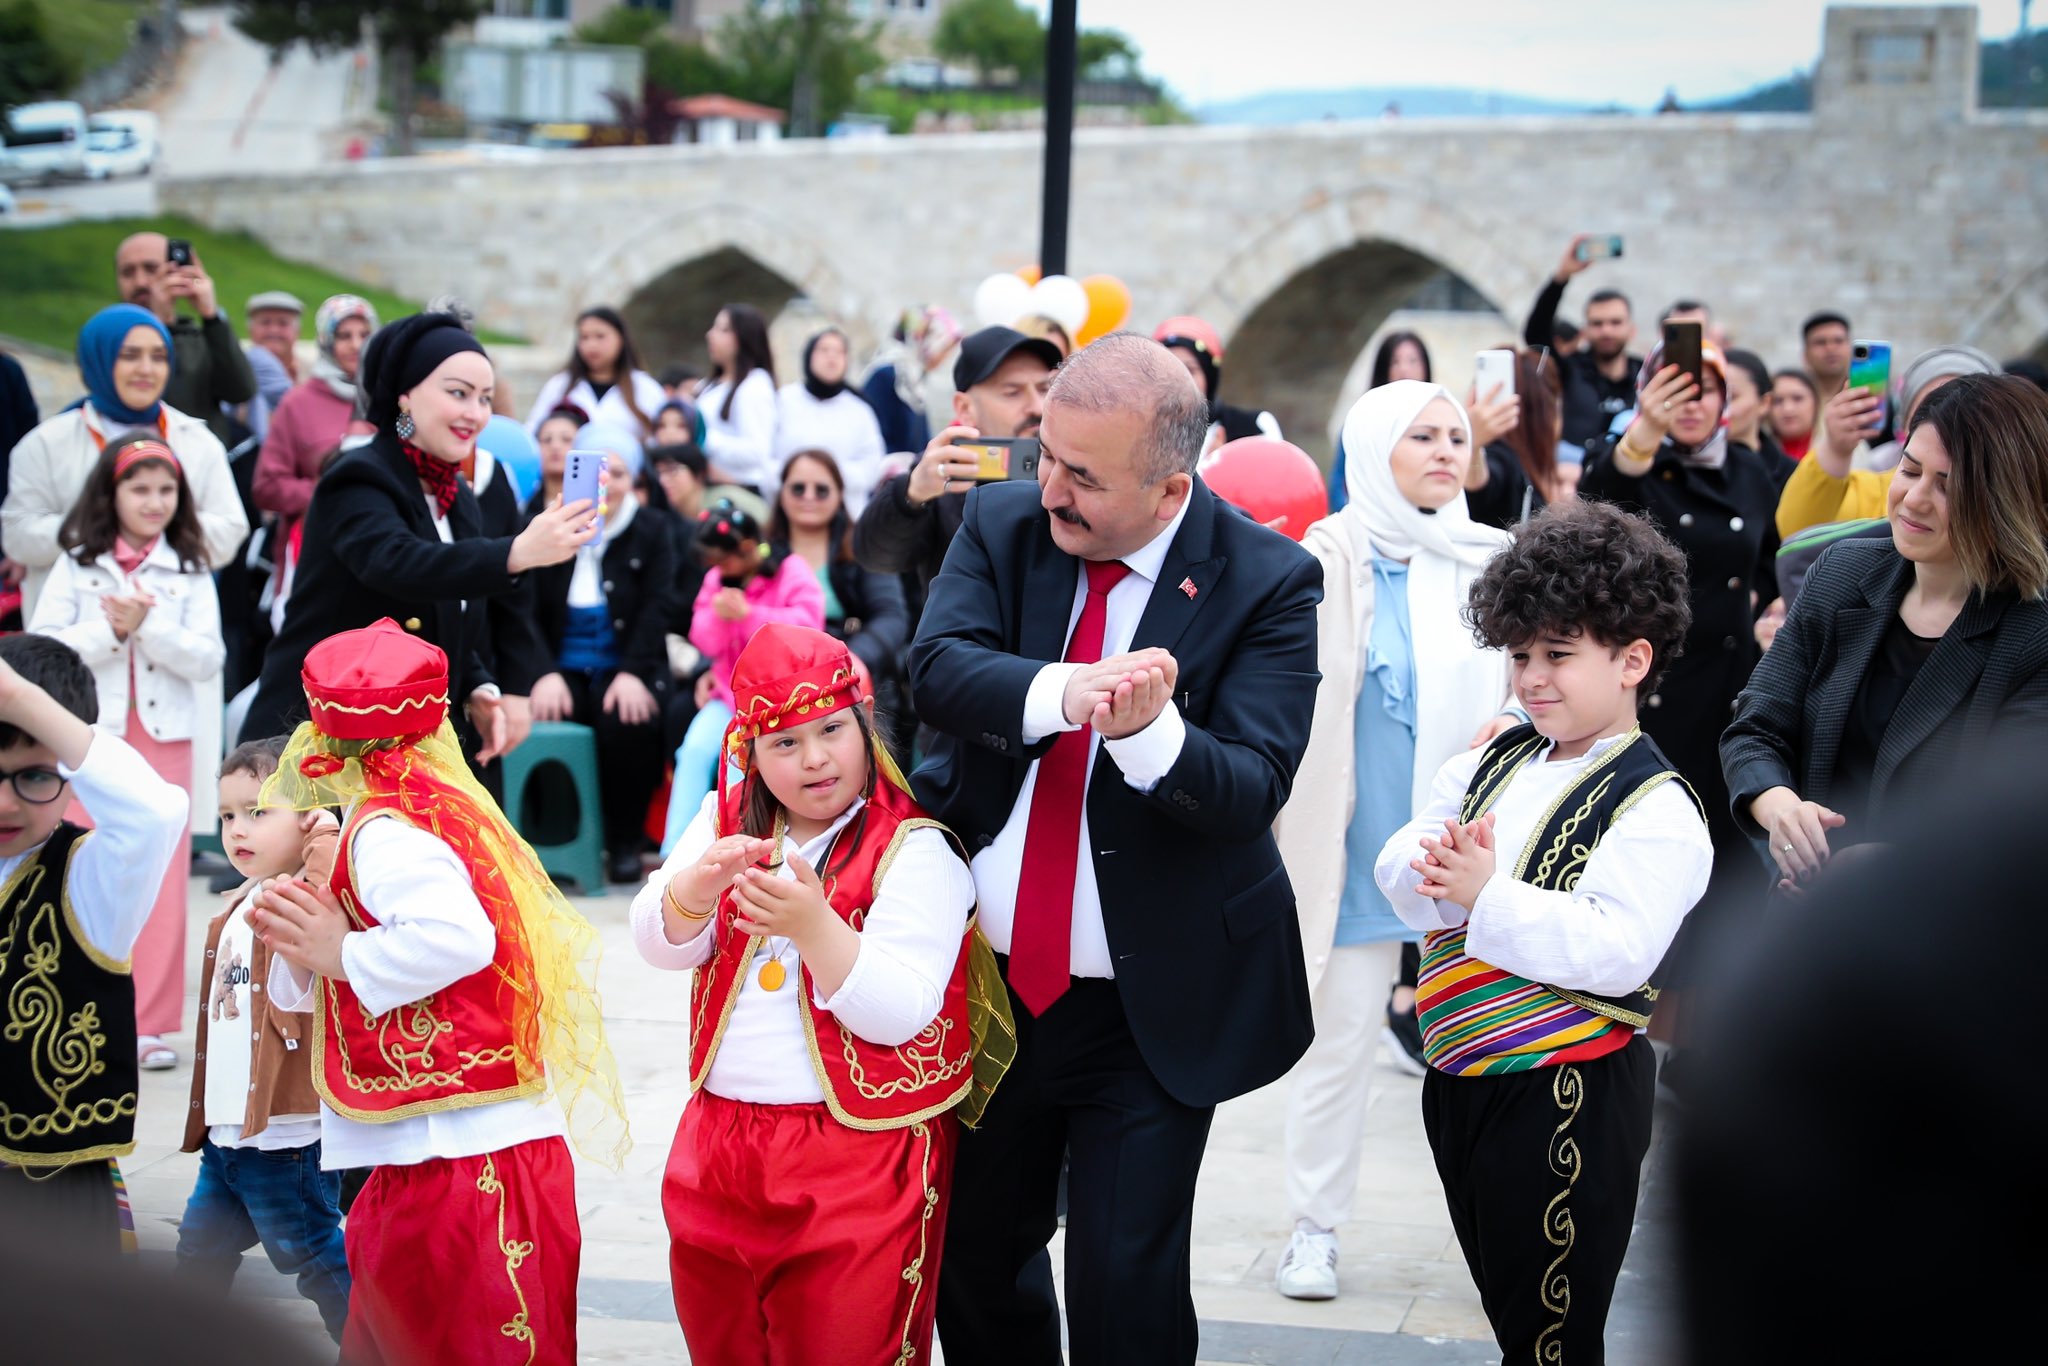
866 1086
451 1050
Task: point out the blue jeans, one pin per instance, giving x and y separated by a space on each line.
696 769
281 1199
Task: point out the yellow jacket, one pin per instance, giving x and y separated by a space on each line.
1812 497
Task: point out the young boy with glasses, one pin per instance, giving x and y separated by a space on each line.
72 902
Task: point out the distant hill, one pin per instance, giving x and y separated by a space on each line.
1370 102
2012 73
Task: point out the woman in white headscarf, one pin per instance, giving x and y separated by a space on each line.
1404 688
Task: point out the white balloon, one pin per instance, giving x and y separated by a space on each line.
1061 298
1000 300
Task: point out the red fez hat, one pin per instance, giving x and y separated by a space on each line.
375 684
788 675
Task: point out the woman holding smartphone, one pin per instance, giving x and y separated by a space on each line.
394 531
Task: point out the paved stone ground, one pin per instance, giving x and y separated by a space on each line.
1407 1297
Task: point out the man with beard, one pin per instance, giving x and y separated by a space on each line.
208 368
1600 377
999 384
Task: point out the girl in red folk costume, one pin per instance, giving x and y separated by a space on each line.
840 1026
451 989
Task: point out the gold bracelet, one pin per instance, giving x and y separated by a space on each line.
668 895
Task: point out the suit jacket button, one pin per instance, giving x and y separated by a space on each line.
1685 519
412 623
607 585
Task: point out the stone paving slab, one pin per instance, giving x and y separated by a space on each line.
1406 1296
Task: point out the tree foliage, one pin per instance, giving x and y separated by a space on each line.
407 33
992 36
807 57
31 66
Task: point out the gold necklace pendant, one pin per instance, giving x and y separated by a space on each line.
772 975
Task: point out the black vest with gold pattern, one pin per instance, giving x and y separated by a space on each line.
67 1024
1569 832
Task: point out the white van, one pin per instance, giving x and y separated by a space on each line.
44 141
120 142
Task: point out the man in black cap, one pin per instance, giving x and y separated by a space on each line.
999 384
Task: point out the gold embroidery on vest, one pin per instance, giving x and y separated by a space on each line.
913 1274
63 1045
1568 1090
519 1328
1568 876
1543 822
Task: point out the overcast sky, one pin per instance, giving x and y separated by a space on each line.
1576 50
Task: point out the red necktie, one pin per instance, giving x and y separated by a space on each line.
1042 934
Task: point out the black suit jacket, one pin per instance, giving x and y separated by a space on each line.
1198 910
369 551
1984 690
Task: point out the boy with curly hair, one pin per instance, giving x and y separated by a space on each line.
1534 986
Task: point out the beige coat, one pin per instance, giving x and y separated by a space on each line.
1312 825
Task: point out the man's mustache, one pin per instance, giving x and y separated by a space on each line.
1072 518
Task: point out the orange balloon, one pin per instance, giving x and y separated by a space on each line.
1109 303
1030 275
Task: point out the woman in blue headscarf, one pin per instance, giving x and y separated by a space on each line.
124 358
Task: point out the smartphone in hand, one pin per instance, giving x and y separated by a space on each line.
1682 342
178 252
997 458
1491 368
1870 369
1598 247
583 479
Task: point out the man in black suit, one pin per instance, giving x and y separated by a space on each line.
1161 972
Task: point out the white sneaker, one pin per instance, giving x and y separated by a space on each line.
1308 1269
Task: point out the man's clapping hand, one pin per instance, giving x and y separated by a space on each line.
1123 694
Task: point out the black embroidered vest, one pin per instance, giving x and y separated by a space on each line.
67 1024
1556 854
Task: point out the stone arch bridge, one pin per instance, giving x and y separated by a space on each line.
1895 201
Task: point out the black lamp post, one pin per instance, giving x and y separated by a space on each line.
1059 135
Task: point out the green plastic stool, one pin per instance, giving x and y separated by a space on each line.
551 794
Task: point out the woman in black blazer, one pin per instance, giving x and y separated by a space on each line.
1902 663
604 616
394 531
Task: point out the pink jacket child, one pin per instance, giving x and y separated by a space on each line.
784 589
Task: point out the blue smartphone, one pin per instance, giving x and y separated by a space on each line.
583 481
1870 368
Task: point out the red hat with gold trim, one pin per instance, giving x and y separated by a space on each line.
377 683
788 675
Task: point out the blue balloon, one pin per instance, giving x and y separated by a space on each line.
513 447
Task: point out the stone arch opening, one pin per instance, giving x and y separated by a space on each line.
670 313
1296 351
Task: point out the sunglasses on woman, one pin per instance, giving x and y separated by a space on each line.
819 491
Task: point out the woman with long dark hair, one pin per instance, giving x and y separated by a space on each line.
863 608
394 531
603 378
1518 475
738 403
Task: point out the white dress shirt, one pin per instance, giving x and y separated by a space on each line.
1607 934
431 932
1143 759
909 944
116 869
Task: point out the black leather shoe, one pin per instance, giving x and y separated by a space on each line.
626 868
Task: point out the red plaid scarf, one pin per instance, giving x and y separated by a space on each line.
438 475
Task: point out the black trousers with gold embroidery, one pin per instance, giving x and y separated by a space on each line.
1540 1170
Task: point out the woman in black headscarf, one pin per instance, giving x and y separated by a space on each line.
394 531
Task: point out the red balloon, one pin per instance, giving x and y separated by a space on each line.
1274 481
